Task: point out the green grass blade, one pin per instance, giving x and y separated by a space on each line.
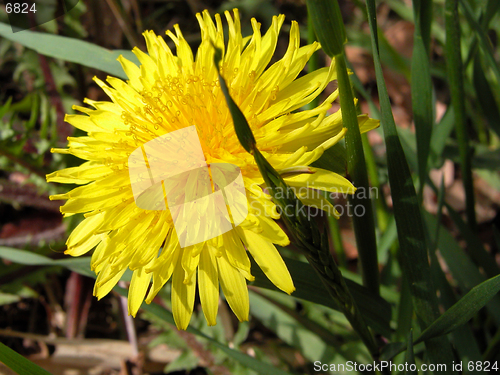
440 134
328 25
28 258
24 257
313 63
463 270
333 159
421 87
80 265
485 97
18 363
477 252
380 205
409 356
69 49
455 78
492 7
5 107
364 225
407 214
463 339
375 310
338 245
288 328
244 359
484 42
405 311
461 312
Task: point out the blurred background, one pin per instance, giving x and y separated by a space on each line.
48 313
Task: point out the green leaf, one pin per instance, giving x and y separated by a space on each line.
484 41
5 107
485 97
462 311
24 257
411 234
463 338
455 70
333 159
364 225
310 345
463 270
28 258
243 131
405 310
187 361
241 334
439 137
421 93
18 363
244 359
69 49
391 350
319 334
477 252
375 310
7 298
409 356
328 25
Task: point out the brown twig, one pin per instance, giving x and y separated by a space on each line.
64 130
124 25
26 195
34 239
129 323
137 14
77 300
205 355
22 163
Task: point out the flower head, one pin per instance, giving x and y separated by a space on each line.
147 228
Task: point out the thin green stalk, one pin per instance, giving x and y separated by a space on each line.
364 225
329 28
457 93
493 348
491 9
338 245
313 63
484 41
380 206
421 87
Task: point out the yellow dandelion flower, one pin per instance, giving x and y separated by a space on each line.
171 116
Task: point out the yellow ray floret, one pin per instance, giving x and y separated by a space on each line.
172 92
